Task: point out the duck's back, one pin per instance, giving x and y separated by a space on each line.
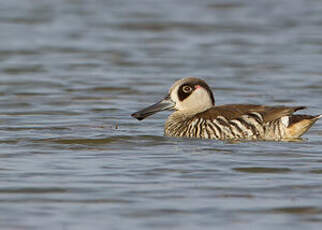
236 122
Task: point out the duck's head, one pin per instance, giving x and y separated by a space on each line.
188 95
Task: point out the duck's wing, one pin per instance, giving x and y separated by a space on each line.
233 111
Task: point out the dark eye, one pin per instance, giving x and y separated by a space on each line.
186 89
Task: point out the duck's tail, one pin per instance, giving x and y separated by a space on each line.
299 124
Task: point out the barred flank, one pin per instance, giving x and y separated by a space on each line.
250 126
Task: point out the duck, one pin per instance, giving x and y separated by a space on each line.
195 115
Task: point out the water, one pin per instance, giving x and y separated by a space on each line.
71 74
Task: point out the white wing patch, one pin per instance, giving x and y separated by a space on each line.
285 121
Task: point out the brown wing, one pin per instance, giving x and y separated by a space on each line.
234 111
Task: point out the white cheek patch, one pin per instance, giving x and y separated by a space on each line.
199 100
200 96
174 96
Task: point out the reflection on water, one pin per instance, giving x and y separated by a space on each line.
72 72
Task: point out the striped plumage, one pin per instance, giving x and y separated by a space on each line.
196 116
251 125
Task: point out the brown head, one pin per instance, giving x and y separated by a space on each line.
188 95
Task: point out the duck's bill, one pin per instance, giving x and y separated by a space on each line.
165 104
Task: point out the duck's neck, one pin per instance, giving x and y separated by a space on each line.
177 123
